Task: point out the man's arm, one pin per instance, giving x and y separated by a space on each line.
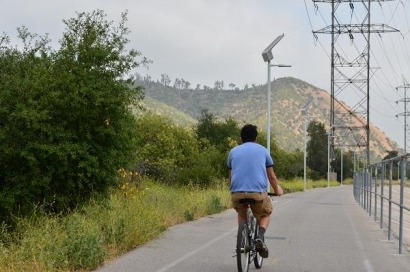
273 181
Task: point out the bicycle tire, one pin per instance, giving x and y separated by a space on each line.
258 260
242 248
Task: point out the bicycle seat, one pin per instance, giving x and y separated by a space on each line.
247 200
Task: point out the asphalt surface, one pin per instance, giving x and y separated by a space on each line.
319 230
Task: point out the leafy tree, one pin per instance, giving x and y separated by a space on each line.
147 78
286 164
347 164
187 85
172 155
391 154
66 121
178 83
219 134
165 80
219 85
162 148
316 149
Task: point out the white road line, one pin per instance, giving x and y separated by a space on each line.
367 265
165 268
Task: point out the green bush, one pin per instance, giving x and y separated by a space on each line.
66 122
219 134
205 168
214 205
188 215
172 154
163 149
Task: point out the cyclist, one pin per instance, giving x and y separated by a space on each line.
250 166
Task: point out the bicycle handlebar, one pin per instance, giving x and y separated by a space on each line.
272 194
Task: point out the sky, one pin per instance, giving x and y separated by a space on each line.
203 41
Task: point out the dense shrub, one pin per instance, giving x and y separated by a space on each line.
66 124
173 154
217 133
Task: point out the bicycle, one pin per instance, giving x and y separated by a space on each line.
245 243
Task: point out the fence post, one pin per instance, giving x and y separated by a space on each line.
382 193
375 191
402 179
370 190
390 199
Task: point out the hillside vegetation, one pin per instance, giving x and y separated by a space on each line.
249 106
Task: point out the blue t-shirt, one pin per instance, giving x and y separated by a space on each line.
248 163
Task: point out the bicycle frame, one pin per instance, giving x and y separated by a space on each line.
251 223
246 250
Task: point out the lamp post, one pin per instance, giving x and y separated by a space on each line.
341 166
354 161
267 57
304 112
328 155
341 160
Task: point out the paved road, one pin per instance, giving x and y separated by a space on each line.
320 230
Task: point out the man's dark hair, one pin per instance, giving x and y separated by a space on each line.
249 133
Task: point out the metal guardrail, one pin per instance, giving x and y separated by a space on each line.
369 191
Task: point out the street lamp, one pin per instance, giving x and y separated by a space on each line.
267 57
328 155
269 102
341 165
304 112
341 160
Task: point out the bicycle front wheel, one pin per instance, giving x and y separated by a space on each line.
243 248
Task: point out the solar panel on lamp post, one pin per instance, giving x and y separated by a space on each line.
267 57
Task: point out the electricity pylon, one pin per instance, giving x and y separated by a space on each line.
350 73
405 100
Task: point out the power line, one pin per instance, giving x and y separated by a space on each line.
308 15
359 82
406 113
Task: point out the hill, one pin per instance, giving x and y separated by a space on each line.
250 106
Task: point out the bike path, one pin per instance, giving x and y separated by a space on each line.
319 230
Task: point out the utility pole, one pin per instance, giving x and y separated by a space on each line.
406 113
350 74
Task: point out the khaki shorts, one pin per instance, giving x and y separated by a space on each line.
262 207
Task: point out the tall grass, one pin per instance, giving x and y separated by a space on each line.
103 229
297 185
106 228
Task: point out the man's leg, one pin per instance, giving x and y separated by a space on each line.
260 240
241 218
263 226
264 221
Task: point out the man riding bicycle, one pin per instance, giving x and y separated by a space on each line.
250 165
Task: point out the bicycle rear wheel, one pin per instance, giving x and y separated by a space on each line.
258 260
242 248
